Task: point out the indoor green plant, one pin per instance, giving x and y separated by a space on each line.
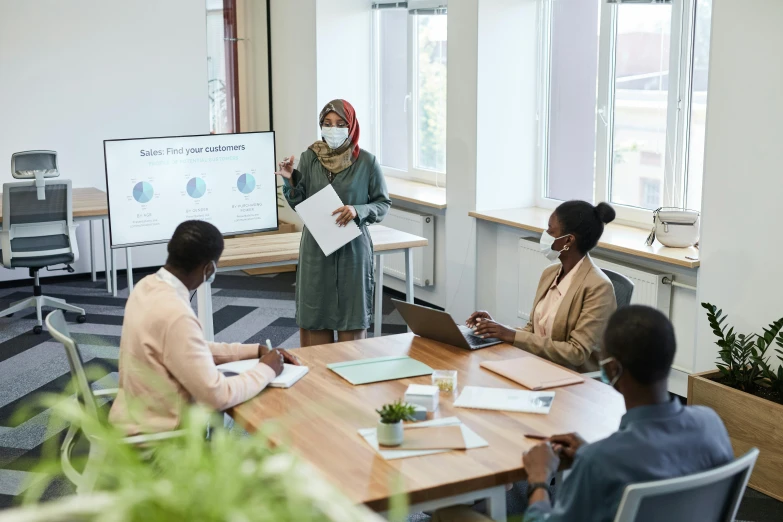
390 429
226 478
744 391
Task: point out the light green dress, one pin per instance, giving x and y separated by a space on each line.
336 292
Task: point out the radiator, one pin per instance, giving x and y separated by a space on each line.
423 258
648 286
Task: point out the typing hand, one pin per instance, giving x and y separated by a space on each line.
486 328
346 214
540 463
471 322
274 359
566 445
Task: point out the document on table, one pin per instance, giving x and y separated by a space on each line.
503 399
291 373
472 439
316 212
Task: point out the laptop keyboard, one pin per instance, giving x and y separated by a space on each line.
474 341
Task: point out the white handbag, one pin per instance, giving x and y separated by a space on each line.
675 227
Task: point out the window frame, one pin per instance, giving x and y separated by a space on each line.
679 103
430 177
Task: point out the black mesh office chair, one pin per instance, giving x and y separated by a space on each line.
623 287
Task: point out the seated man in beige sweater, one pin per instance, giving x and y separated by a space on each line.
165 363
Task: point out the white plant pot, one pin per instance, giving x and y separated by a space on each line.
390 434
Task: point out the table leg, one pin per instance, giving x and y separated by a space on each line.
106 255
129 269
114 272
204 305
496 504
378 295
409 276
91 224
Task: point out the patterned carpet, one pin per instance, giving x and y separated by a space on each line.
249 309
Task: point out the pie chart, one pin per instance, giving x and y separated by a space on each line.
196 188
142 192
246 183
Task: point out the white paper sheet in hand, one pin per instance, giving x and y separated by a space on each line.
316 212
291 373
504 399
472 439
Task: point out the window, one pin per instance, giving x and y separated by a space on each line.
410 57
624 89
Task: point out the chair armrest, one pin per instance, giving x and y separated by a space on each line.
106 391
592 375
153 437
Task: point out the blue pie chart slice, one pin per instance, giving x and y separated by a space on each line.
196 188
246 183
143 192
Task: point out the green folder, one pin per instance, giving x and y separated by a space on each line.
365 371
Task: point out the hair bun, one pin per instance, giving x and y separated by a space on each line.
605 212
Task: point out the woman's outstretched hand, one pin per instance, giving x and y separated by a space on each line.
286 168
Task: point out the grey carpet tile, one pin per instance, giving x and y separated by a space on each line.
246 309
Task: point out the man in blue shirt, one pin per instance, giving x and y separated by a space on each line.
659 438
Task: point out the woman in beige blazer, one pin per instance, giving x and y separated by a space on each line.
574 298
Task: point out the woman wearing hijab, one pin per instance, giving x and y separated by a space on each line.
335 292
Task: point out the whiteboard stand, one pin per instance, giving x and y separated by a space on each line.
114 272
106 255
91 224
129 269
204 303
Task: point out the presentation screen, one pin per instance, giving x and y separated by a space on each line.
154 184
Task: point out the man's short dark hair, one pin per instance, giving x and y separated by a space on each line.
642 340
194 244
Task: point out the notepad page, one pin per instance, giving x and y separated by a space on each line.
290 375
316 212
503 399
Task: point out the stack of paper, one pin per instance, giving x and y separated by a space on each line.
291 373
316 212
522 401
470 438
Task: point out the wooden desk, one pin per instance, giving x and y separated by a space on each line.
320 415
618 238
246 253
90 204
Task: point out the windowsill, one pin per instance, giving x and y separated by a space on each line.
415 192
617 238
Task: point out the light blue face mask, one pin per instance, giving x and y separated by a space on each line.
604 377
211 278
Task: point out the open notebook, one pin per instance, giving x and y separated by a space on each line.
291 374
533 373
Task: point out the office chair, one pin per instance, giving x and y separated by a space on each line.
38 230
88 400
623 287
710 496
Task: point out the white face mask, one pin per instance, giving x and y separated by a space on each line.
211 278
334 136
546 243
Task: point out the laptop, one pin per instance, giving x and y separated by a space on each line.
439 326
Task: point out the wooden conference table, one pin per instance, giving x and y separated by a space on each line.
90 204
318 418
245 253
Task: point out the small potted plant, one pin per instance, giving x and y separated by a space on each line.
390 431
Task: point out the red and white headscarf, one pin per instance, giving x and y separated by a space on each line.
339 159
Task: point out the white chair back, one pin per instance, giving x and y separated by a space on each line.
710 496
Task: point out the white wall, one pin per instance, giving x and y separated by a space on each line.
343 30
507 84
294 80
742 210
461 143
78 72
